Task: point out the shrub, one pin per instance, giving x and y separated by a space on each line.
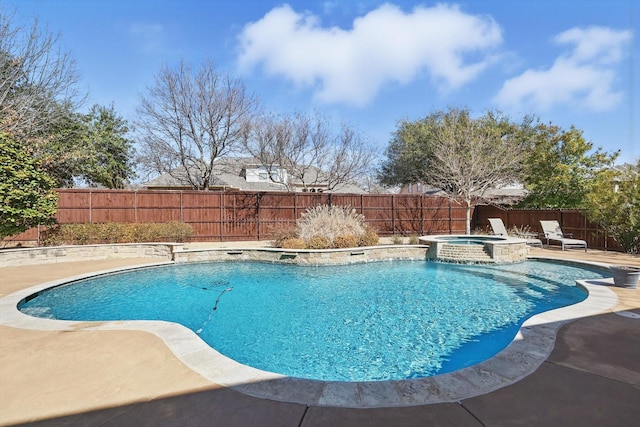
68 234
329 222
281 235
52 236
142 233
414 240
345 241
174 231
83 234
293 243
111 232
369 238
397 240
325 227
482 231
318 242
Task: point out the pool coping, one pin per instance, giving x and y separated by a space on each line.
529 349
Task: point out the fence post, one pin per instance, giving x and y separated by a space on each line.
258 213
422 214
221 213
393 215
561 218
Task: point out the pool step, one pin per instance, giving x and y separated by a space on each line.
464 253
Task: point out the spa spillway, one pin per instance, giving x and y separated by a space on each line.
475 249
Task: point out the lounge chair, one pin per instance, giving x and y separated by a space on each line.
553 232
500 230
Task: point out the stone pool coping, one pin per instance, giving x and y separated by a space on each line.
15 257
524 355
182 252
312 257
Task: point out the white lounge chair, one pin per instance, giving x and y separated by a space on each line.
500 230
553 232
498 227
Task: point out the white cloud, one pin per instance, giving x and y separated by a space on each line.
584 76
385 45
598 44
150 37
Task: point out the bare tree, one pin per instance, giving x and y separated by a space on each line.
308 151
189 118
458 154
38 81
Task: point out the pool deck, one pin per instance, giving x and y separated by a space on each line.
120 378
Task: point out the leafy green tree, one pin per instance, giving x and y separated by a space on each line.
27 198
613 202
561 167
407 157
61 149
90 148
456 153
39 103
109 153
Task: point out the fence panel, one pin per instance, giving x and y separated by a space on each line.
112 206
378 210
220 216
571 222
149 206
74 207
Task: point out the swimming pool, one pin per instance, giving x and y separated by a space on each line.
392 328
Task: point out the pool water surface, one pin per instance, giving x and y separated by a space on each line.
362 322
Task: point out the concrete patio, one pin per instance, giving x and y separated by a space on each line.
96 378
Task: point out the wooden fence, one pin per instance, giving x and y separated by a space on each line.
570 220
228 216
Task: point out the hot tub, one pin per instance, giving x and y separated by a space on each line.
475 249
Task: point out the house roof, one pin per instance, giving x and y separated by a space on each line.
507 195
227 174
626 168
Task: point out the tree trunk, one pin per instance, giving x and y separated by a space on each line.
468 224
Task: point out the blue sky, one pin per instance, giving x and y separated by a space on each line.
372 63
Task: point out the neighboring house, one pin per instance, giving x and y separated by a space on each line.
246 174
420 188
624 170
505 195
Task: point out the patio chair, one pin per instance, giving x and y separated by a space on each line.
500 230
498 227
553 232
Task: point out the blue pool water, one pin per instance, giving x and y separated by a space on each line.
465 240
364 322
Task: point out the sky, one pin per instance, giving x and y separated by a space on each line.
371 64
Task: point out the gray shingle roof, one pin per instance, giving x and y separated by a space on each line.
228 175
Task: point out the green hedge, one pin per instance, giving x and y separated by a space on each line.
114 232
